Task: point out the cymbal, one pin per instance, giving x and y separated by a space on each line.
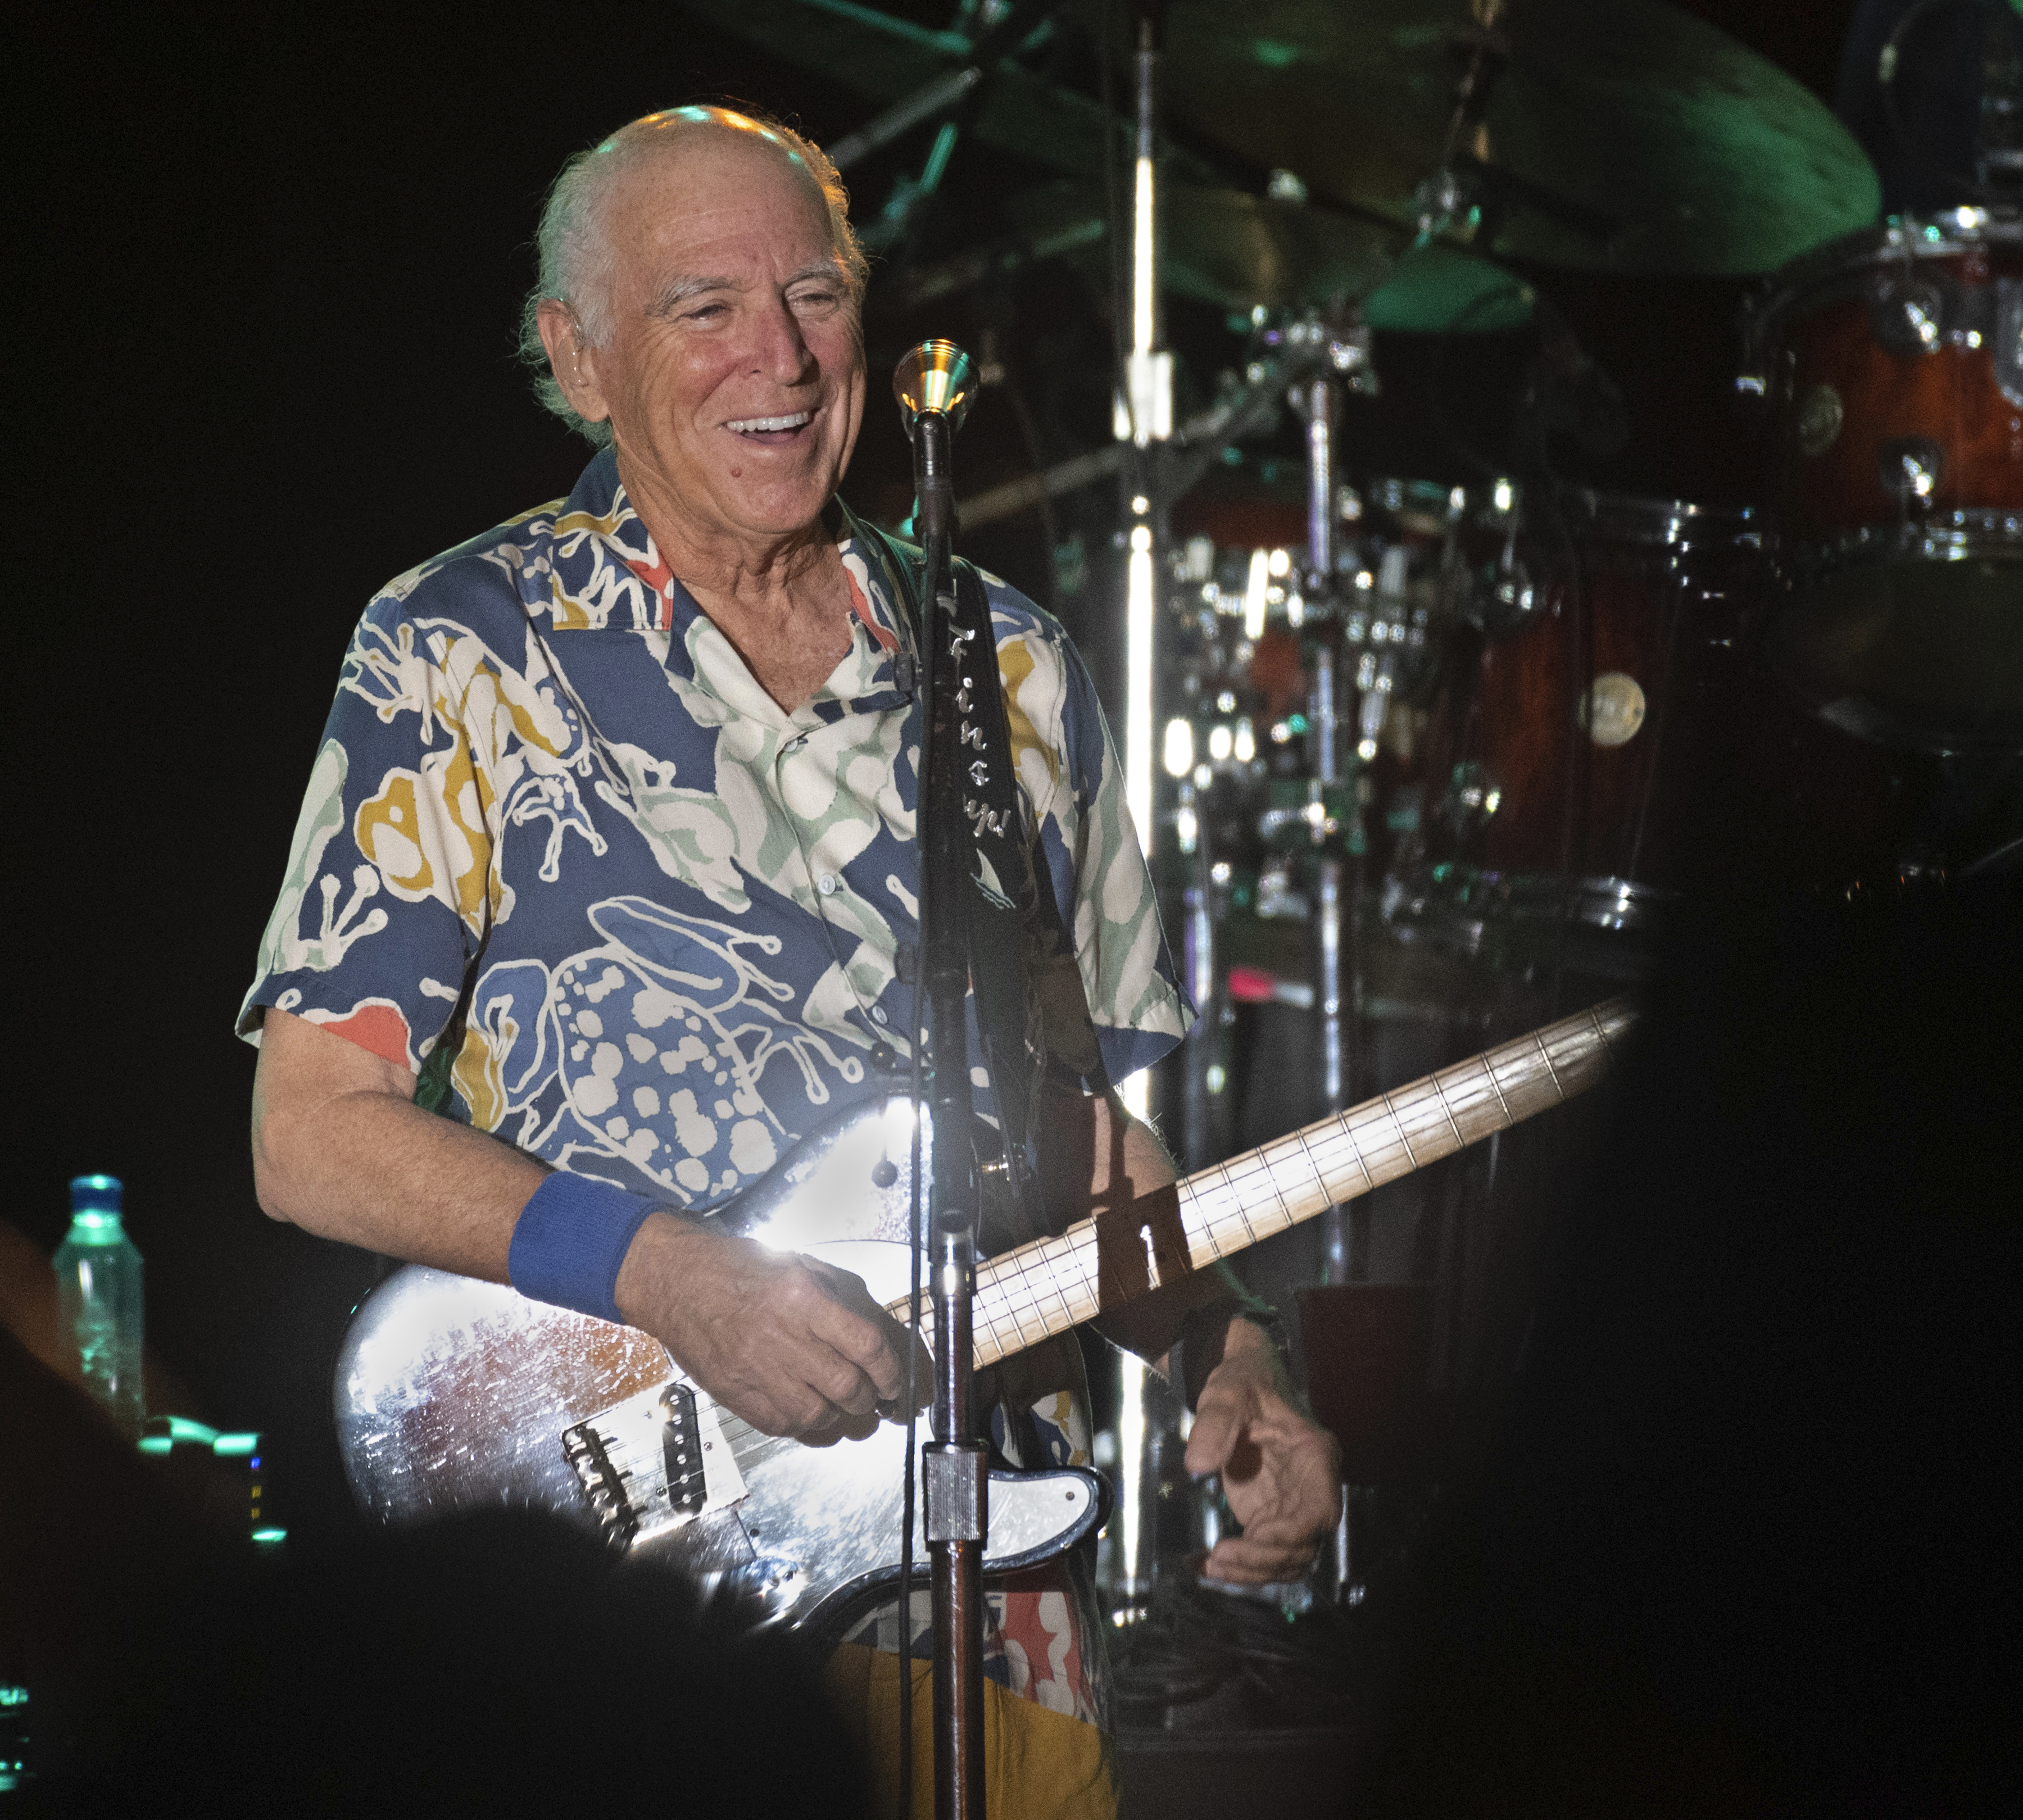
1221 246
1439 289
1619 135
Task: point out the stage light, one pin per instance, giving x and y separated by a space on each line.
1254 586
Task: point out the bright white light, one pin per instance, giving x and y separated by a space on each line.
1186 826
1144 279
1503 496
1259 579
1203 777
1296 612
1131 1449
1281 562
1138 684
1139 505
1245 743
1221 742
1179 749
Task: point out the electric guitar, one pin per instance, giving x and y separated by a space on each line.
453 1393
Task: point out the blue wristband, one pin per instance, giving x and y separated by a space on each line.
571 1239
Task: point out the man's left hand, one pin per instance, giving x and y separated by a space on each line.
1280 1472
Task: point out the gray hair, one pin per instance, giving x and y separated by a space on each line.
575 257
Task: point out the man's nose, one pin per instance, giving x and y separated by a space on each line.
782 352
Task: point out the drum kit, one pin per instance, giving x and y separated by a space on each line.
1493 715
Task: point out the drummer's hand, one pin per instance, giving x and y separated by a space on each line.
791 1344
1280 1472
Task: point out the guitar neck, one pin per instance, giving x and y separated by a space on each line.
1052 1285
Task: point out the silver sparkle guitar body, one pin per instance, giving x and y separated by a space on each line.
453 1394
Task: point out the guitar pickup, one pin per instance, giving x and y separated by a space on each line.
650 1464
681 1452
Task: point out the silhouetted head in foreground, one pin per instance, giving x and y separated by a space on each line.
494 1664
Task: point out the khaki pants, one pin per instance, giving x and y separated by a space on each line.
1038 1765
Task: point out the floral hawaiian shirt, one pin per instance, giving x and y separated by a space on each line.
561 851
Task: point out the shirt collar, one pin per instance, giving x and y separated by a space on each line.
598 507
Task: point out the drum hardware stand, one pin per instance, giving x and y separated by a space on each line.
934 384
1997 177
1203 1124
947 91
1336 875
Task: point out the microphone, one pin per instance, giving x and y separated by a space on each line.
935 383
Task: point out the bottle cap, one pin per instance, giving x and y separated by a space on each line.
95 1200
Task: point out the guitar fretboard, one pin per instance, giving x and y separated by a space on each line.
1028 1294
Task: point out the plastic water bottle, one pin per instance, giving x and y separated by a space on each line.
99 1300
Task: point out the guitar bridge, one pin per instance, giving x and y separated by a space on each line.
646 1466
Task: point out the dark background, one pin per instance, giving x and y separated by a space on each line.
268 266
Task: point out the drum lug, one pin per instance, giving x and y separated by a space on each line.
2009 338
1910 468
1908 314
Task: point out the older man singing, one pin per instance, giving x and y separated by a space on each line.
600 892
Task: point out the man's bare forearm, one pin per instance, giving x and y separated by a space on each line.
340 1150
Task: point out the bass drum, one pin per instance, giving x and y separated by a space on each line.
1892 367
1601 744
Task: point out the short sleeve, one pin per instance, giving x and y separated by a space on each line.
386 900
1069 769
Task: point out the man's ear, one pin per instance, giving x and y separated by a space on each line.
574 363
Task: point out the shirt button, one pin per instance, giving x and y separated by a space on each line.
878 1015
826 884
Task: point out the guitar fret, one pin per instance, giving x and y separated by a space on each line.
1320 1181
1268 1171
1461 1143
1470 1077
1051 1283
1044 1254
1544 1055
1402 1138
1228 1189
1489 1074
1344 1133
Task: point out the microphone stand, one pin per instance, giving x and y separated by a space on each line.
935 384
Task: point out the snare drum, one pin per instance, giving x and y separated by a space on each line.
1892 365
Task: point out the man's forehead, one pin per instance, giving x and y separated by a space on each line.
653 150
705 178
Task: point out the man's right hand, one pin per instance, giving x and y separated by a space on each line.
791 1344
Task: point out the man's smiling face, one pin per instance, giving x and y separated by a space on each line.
733 371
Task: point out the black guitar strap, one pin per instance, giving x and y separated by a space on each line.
1032 1010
